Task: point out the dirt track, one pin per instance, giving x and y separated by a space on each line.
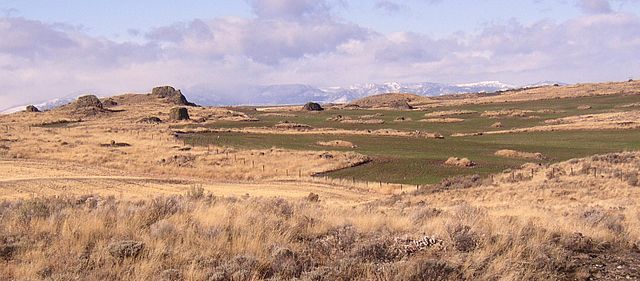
24 179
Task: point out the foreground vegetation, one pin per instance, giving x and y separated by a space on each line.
505 228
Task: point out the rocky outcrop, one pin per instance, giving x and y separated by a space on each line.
88 101
171 95
312 106
31 108
179 113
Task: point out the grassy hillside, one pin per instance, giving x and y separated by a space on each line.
420 161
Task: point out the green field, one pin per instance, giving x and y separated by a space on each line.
419 161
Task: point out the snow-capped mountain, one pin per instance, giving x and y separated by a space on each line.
42 105
544 83
298 93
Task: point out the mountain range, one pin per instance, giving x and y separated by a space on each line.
299 93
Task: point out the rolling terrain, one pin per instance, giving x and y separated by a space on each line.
531 184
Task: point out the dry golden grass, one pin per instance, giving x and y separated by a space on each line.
442 120
386 101
337 143
602 121
507 112
460 162
540 93
319 131
448 113
77 206
362 121
273 114
539 222
150 149
508 153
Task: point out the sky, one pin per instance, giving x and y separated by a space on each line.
62 48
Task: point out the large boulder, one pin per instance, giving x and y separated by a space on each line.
31 108
171 95
179 113
88 101
312 106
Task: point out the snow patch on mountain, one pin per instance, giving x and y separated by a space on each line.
299 93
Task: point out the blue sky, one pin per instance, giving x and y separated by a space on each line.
57 48
114 18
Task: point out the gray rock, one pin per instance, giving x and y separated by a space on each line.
88 101
179 113
312 106
171 95
31 108
125 249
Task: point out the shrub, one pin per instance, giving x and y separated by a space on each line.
196 192
608 219
632 180
313 197
125 249
464 240
158 209
36 208
429 270
461 182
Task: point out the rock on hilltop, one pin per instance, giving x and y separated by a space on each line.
391 100
171 95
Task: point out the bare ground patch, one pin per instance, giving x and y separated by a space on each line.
337 143
442 120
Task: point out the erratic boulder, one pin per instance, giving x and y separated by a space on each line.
31 108
171 95
179 113
312 106
88 101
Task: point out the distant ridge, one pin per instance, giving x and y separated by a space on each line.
301 93
288 94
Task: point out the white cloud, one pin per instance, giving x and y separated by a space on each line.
291 44
595 6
